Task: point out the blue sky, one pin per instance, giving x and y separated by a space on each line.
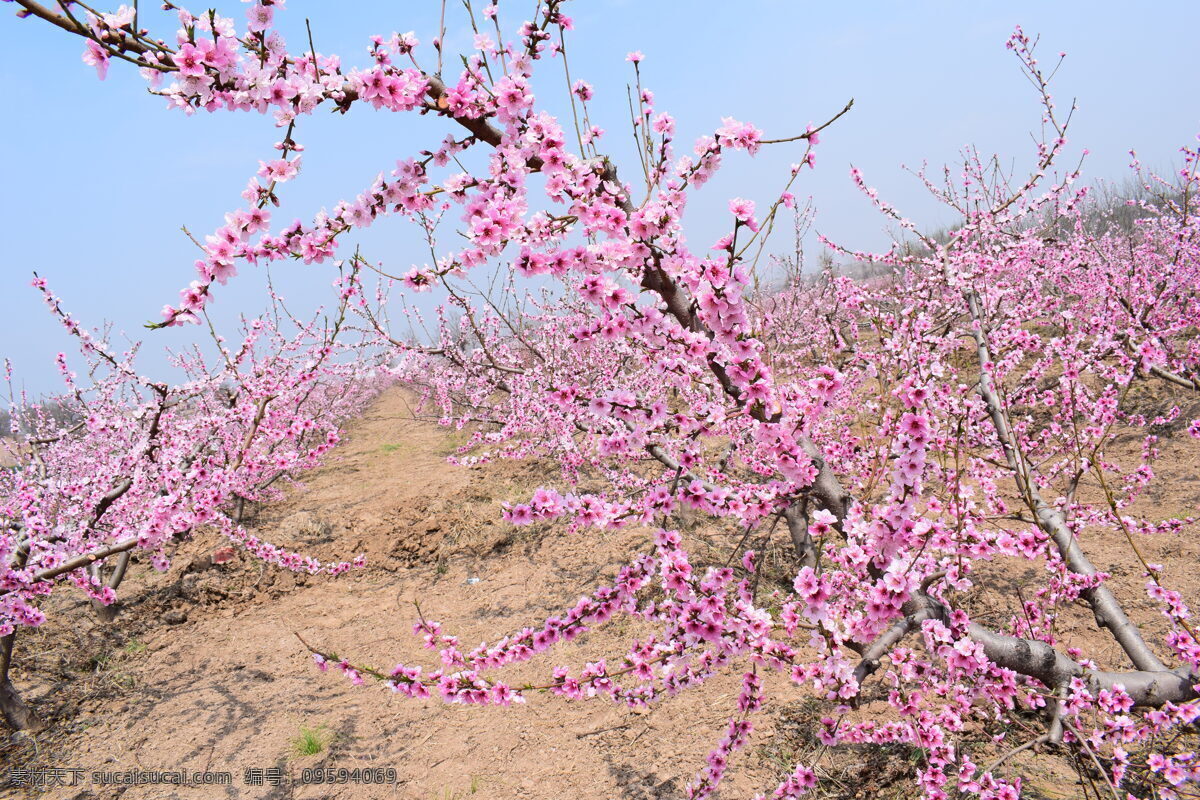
99 177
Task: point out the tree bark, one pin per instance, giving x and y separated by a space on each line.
17 714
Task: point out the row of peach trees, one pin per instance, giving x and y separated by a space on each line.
908 432
122 464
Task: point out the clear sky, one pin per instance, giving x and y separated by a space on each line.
99 177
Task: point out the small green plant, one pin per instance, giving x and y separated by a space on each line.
450 794
391 448
312 741
133 647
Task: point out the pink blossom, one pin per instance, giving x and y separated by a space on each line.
741 209
96 56
189 60
259 17
279 170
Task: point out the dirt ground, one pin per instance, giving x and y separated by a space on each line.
203 670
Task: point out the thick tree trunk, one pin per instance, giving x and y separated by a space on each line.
109 613
16 713
797 522
106 613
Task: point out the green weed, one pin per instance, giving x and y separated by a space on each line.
312 741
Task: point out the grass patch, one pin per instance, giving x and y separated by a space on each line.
312 741
454 439
475 786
